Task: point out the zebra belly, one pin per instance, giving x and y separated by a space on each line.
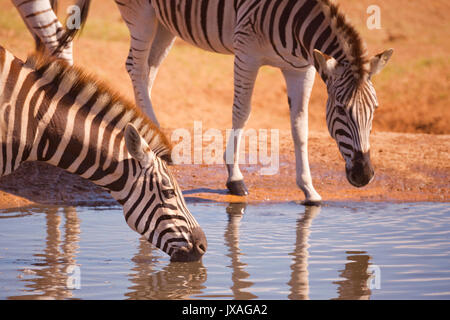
203 23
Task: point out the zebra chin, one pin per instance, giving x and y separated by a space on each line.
361 171
195 251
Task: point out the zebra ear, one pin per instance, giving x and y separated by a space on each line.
378 62
136 146
326 63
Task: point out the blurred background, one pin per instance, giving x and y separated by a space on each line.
194 85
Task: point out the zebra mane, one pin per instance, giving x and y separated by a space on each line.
154 137
354 48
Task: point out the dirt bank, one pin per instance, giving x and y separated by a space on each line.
409 167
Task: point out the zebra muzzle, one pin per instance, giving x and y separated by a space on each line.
361 172
195 251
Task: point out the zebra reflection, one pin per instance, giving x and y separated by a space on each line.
174 281
299 282
48 278
355 276
186 280
239 275
299 276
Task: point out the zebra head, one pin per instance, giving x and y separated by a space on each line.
155 207
350 108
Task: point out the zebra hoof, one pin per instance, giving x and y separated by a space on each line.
237 188
311 203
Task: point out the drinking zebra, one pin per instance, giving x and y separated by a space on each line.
55 113
296 36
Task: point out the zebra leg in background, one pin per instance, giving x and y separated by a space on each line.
299 85
43 23
142 23
160 48
245 72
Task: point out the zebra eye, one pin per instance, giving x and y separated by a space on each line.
168 193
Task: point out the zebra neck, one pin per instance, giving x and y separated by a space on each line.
78 130
320 25
87 151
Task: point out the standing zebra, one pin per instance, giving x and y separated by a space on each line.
57 114
293 35
296 36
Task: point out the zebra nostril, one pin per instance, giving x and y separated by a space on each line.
201 249
199 240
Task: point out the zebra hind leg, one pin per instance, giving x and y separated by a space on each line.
161 46
142 23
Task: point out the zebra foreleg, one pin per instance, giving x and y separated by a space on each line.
299 85
245 72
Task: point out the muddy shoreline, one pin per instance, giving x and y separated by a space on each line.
409 167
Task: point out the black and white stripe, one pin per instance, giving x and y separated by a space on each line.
55 113
349 119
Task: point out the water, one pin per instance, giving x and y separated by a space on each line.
273 251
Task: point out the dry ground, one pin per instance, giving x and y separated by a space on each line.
194 85
409 167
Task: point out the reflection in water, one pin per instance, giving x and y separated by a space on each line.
235 212
49 277
299 277
174 281
355 273
354 287
152 278
185 280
